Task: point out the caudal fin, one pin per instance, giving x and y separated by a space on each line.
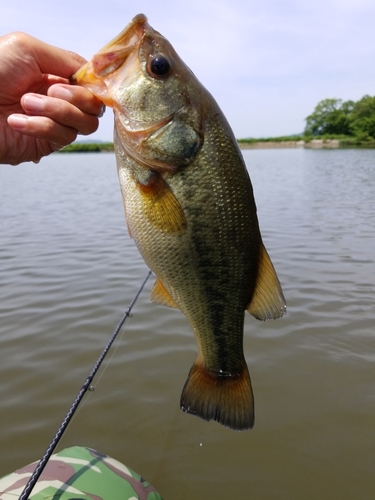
227 400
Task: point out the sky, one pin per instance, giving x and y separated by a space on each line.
267 64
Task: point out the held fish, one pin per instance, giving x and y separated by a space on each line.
190 208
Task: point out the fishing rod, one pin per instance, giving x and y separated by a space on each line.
86 386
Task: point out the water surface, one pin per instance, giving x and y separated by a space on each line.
68 270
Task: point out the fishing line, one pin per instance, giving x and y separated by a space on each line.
86 386
99 376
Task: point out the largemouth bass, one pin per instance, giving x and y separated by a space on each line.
190 208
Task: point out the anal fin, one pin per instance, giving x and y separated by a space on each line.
160 296
268 301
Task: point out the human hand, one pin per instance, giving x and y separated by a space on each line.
40 112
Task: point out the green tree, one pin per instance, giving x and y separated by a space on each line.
362 118
330 116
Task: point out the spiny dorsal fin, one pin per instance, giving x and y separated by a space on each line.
160 296
268 301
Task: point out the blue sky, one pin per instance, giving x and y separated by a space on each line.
266 63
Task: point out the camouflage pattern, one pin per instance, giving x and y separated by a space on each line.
79 473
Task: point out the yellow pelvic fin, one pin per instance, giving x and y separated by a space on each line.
160 296
268 301
160 205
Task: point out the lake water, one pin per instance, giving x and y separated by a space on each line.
68 271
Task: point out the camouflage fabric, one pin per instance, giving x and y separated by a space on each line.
79 473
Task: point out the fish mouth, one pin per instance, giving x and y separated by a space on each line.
111 57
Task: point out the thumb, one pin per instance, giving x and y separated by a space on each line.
54 60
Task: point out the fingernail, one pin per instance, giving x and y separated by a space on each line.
102 111
18 122
33 103
60 92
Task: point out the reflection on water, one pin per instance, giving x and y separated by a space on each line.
68 270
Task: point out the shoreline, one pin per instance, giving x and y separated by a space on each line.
243 144
313 144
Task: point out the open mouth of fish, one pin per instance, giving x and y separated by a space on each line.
115 54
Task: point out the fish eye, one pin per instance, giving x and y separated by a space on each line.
159 66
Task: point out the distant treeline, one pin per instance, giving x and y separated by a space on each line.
283 138
351 123
350 119
87 147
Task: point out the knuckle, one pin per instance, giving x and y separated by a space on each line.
18 39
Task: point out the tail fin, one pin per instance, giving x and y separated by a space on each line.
227 400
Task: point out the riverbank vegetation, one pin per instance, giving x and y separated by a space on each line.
347 123
88 147
348 119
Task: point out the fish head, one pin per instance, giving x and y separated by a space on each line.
155 97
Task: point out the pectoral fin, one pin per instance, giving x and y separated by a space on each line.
160 296
268 301
160 205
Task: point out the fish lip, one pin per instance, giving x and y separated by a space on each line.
139 24
117 49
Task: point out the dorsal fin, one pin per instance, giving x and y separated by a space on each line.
160 296
268 301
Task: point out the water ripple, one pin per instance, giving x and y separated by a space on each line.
68 271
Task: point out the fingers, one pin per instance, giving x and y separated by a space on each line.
69 106
58 117
80 97
50 59
44 128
